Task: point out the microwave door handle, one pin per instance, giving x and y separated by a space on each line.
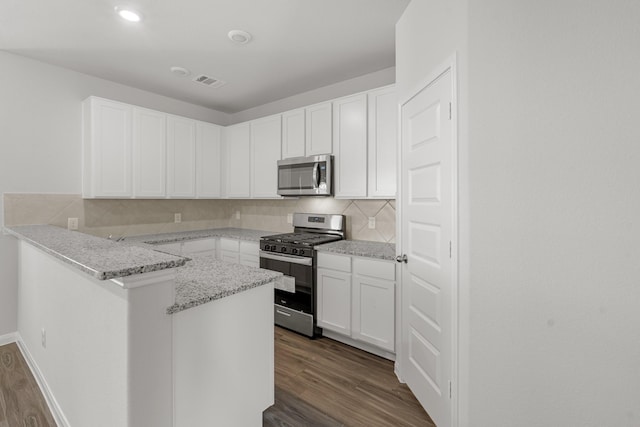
316 175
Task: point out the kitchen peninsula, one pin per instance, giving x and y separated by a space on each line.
121 334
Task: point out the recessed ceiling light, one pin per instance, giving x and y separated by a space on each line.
180 71
239 36
129 14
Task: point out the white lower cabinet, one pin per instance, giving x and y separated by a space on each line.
239 252
334 300
249 254
356 298
200 247
190 247
373 311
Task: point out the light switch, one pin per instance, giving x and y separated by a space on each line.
372 222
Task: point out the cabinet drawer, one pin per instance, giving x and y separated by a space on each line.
229 244
202 245
374 268
249 248
334 262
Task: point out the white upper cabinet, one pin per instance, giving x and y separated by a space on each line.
293 133
318 129
149 153
181 157
266 137
208 160
383 135
237 142
107 149
350 146
135 152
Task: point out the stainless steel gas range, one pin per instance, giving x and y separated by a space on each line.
293 255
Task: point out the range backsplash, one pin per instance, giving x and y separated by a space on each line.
135 217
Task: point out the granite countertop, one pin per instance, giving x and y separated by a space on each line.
101 258
380 250
232 233
205 279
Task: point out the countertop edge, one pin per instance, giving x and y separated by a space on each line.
96 274
176 308
363 248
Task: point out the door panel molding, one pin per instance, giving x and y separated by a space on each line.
449 66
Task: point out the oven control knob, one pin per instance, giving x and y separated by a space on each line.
294 251
301 252
283 249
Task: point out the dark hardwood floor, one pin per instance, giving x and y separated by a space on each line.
326 383
21 401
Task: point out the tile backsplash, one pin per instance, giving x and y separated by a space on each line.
133 217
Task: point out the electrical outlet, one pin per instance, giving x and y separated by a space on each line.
72 223
177 217
290 218
372 222
43 338
237 214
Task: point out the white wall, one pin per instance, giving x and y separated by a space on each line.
555 202
40 139
326 93
550 275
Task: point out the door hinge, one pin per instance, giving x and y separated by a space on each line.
450 392
449 248
449 111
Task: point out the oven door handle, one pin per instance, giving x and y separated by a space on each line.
287 258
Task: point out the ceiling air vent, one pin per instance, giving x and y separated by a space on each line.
208 81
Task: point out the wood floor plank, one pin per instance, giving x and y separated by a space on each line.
350 386
21 401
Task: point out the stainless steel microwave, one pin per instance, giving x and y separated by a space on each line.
305 176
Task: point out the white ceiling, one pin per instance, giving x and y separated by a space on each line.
298 45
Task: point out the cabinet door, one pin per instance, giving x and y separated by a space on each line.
318 129
237 144
181 157
266 141
350 139
249 254
200 247
334 300
107 149
293 134
373 311
208 160
149 153
383 136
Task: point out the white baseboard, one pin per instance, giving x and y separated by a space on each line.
359 344
54 407
8 338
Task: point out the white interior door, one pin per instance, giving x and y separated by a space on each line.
427 206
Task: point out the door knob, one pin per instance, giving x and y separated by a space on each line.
402 258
